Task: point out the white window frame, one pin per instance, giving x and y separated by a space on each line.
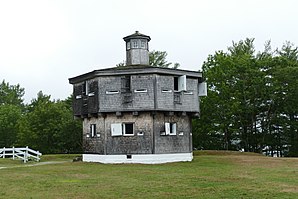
112 92
93 130
135 44
188 93
124 129
79 97
166 91
86 87
143 44
141 91
119 129
169 126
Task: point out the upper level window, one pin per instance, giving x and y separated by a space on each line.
128 45
85 88
126 83
135 44
143 44
180 83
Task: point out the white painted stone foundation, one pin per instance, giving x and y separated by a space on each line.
138 158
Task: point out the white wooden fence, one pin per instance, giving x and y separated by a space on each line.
24 153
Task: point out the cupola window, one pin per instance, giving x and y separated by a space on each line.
143 44
135 44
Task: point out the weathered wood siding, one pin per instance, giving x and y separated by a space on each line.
94 144
84 102
179 143
169 100
145 92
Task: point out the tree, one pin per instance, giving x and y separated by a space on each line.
49 127
159 59
11 107
11 94
9 116
252 99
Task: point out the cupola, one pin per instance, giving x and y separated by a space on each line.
137 49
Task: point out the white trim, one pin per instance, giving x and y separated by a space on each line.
124 129
166 91
112 92
140 91
139 158
188 93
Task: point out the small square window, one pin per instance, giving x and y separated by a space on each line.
135 44
170 128
128 129
143 44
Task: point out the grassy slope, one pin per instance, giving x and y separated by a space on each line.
211 174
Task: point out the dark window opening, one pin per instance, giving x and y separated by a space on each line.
126 83
175 83
84 88
128 129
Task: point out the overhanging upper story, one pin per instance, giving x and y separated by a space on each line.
135 89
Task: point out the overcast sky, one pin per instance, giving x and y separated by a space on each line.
43 43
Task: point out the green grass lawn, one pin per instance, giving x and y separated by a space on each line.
212 174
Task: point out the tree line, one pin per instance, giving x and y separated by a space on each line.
252 101
44 124
252 105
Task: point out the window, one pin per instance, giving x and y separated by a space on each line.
85 88
125 83
141 91
78 96
170 128
93 130
112 92
128 45
119 129
175 83
135 44
166 90
128 129
143 44
188 93
180 83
